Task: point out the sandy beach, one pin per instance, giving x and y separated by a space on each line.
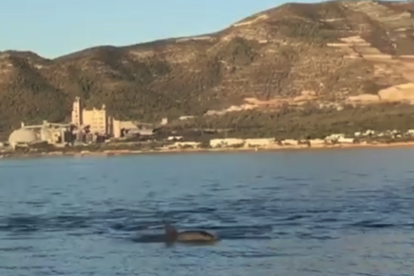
275 147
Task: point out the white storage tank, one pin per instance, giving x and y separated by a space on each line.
22 135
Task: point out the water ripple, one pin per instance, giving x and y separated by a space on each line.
299 214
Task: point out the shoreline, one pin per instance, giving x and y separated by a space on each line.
275 148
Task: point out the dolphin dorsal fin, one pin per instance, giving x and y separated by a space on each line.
170 230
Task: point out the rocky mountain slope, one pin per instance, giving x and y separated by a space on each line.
327 53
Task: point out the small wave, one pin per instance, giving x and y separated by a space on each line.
158 238
375 224
17 249
145 225
117 221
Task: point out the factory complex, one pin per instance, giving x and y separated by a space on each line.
86 126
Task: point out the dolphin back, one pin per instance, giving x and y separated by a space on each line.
196 236
172 235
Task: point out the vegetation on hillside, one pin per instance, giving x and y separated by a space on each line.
279 56
307 123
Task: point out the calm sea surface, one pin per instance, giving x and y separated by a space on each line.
333 212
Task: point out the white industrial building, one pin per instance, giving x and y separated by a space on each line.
47 132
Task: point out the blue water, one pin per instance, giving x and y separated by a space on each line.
333 212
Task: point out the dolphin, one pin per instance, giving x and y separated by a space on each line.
191 236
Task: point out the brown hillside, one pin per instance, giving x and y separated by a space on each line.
275 54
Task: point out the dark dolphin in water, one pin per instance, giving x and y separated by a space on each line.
191 236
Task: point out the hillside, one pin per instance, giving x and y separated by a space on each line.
326 53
